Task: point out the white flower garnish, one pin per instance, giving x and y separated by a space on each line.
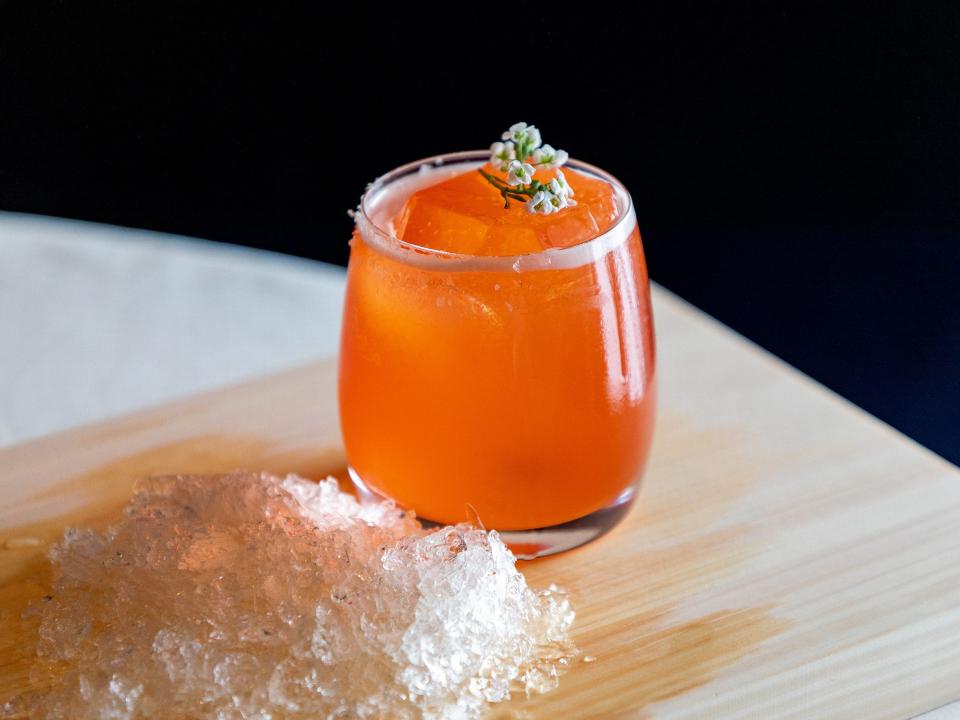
563 187
540 203
519 173
533 137
547 157
520 144
501 155
523 134
517 132
558 197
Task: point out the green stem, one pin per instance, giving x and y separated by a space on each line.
492 179
516 192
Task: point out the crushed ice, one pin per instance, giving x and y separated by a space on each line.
250 596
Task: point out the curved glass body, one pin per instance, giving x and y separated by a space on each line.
521 388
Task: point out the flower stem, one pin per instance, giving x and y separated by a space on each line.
492 179
519 192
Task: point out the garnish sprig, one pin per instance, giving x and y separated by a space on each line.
519 144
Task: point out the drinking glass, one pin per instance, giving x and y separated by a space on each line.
514 391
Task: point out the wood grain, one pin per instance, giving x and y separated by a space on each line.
789 557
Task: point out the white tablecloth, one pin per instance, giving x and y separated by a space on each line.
98 320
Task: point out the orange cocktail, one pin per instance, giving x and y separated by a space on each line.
494 361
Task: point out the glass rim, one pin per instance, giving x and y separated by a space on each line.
587 250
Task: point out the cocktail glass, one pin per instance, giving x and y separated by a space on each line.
517 391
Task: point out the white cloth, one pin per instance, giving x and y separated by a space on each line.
97 320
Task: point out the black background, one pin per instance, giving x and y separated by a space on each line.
796 167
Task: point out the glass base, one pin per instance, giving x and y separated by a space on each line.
539 542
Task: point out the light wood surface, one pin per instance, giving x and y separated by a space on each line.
789 557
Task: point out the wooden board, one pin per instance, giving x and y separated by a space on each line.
790 557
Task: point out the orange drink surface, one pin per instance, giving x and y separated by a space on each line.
493 360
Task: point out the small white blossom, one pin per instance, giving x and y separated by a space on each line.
517 132
564 185
544 155
519 173
558 192
533 137
540 203
548 157
501 154
558 197
523 134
